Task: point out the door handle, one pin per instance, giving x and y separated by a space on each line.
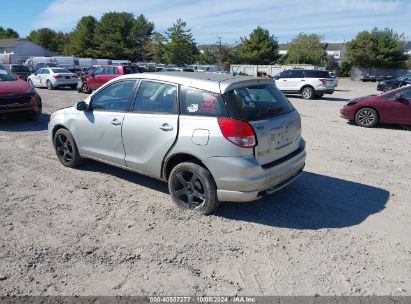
302 79
166 127
115 122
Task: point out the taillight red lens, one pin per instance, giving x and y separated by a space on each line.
238 132
57 76
324 81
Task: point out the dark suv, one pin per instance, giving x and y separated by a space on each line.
18 70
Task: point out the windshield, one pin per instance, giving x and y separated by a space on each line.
131 69
256 102
4 76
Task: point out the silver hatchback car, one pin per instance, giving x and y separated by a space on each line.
212 137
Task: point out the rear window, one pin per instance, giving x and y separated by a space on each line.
316 74
60 71
201 103
256 102
5 76
131 69
19 68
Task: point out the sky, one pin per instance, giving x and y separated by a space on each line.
335 20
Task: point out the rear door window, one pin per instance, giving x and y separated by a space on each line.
297 74
201 103
256 102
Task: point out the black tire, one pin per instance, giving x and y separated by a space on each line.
66 149
388 88
192 187
366 117
49 85
85 89
307 93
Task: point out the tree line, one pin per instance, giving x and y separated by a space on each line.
121 35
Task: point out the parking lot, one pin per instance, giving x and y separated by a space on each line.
343 228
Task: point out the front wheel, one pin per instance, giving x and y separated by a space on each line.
66 148
307 93
192 187
366 117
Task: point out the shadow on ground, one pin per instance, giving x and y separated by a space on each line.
24 125
140 179
313 201
325 97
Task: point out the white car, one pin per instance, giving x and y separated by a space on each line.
52 78
308 83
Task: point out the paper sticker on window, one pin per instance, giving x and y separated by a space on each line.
192 108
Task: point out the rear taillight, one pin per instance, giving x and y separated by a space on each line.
57 76
238 132
323 81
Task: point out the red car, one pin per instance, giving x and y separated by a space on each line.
18 98
101 74
393 107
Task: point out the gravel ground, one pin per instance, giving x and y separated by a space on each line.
343 228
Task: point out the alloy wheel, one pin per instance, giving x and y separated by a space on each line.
64 148
189 189
366 117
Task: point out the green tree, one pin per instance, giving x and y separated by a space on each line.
113 36
180 47
82 39
44 37
259 48
206 57
330 63
156 48
344 70
140 35
306 49
378 48
8 33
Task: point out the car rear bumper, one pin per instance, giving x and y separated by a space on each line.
243 179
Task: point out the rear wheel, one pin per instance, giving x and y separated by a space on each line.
366 117
49 85
66 148
192 187
307 93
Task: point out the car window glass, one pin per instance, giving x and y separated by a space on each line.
200 102
99 71
46 71
285 74
114 97
297 74
156 97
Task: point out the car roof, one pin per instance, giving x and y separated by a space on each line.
204 81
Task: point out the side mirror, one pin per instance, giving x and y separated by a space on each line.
276 77
81 106
35 74
399 96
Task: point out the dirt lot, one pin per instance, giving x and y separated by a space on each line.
343 228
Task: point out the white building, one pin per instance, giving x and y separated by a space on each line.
23 48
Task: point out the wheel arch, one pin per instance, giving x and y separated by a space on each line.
176 159
305 86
